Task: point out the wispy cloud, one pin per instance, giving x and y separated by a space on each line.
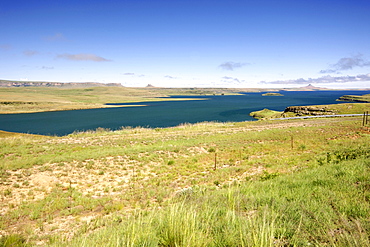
229 79
55 37
47 68
323 79
5 47
232 65
170 77
30 53
132 74
83 57
347 63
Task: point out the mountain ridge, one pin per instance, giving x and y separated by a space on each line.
11 83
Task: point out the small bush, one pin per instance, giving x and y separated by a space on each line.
7 192
302 147
267 176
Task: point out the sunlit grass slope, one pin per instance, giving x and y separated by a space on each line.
332 109
324 206
266 183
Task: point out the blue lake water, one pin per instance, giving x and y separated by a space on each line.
234 108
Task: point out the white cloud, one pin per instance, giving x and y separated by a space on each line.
347 63
323 79
231 80
132 74
55 37
30 53
232 65
5 47
83 57
47 68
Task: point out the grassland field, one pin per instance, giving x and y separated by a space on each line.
265 183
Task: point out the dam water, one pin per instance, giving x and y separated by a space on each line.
227 108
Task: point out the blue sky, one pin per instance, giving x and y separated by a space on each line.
186 43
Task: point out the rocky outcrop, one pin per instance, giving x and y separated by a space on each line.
309 110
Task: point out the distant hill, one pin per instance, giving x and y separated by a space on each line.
312 87
7 83
309 87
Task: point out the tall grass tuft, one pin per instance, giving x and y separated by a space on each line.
13 240
181 226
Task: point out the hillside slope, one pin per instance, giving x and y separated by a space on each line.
85 187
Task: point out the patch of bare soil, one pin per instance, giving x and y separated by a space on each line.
95 178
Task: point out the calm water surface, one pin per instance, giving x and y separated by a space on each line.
169 113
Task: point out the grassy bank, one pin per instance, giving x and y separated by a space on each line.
345 108
270 183
355 98
266 114
332 109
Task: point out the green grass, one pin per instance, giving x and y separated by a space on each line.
356 98
275 183
325 206
266 113
344 108
13 240
349 108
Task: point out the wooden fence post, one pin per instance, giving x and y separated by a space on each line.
363 119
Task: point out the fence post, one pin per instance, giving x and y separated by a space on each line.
363 119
